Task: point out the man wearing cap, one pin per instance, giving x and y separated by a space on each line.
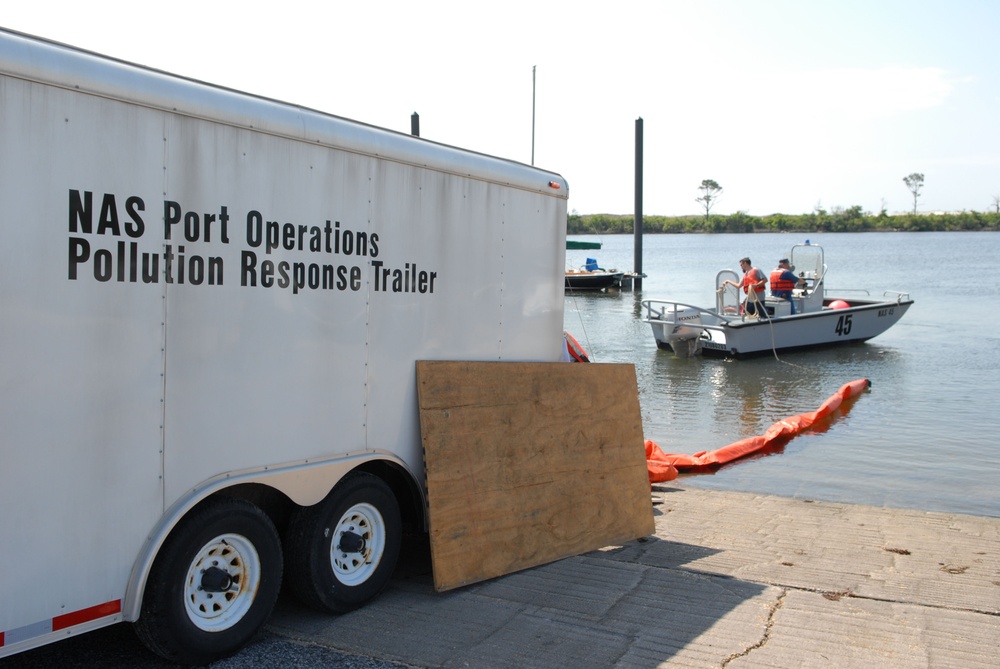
783 280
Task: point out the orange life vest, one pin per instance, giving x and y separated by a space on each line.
777 283
752 277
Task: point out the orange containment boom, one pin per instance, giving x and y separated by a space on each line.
664 466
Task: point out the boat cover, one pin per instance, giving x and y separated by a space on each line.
664 466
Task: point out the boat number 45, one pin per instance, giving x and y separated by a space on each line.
843 325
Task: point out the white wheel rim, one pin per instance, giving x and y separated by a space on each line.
353 567
214 611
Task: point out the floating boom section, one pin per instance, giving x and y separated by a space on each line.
665 466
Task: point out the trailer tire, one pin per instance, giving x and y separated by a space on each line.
342 552
213 584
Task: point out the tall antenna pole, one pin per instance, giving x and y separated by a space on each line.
533 114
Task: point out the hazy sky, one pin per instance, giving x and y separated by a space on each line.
787 104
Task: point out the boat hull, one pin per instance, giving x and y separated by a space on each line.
593 280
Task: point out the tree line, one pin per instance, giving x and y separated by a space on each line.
853 219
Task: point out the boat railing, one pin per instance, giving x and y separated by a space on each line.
894 295
667 311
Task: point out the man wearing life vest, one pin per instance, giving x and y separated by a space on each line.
753 284
783 280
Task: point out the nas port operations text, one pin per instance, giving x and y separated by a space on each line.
125 263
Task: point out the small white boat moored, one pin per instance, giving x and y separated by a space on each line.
820 318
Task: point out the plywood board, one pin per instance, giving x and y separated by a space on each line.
528 463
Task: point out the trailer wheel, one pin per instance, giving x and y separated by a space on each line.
213 584
342 551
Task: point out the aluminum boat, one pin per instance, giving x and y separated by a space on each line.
820 318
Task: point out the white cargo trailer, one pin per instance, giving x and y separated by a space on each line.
211 305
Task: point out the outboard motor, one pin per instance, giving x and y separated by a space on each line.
683 331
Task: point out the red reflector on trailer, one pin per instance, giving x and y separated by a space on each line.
553 184
86 615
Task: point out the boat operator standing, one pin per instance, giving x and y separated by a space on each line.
753 284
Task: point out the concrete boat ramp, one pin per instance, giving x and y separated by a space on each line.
728 580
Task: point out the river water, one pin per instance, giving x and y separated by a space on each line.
924 437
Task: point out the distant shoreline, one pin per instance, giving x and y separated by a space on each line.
850 220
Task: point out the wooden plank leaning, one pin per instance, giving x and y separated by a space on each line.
528 463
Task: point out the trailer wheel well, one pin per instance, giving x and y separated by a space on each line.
271 501
411 505
279 507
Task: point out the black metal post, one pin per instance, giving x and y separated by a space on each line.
415 124
637 226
